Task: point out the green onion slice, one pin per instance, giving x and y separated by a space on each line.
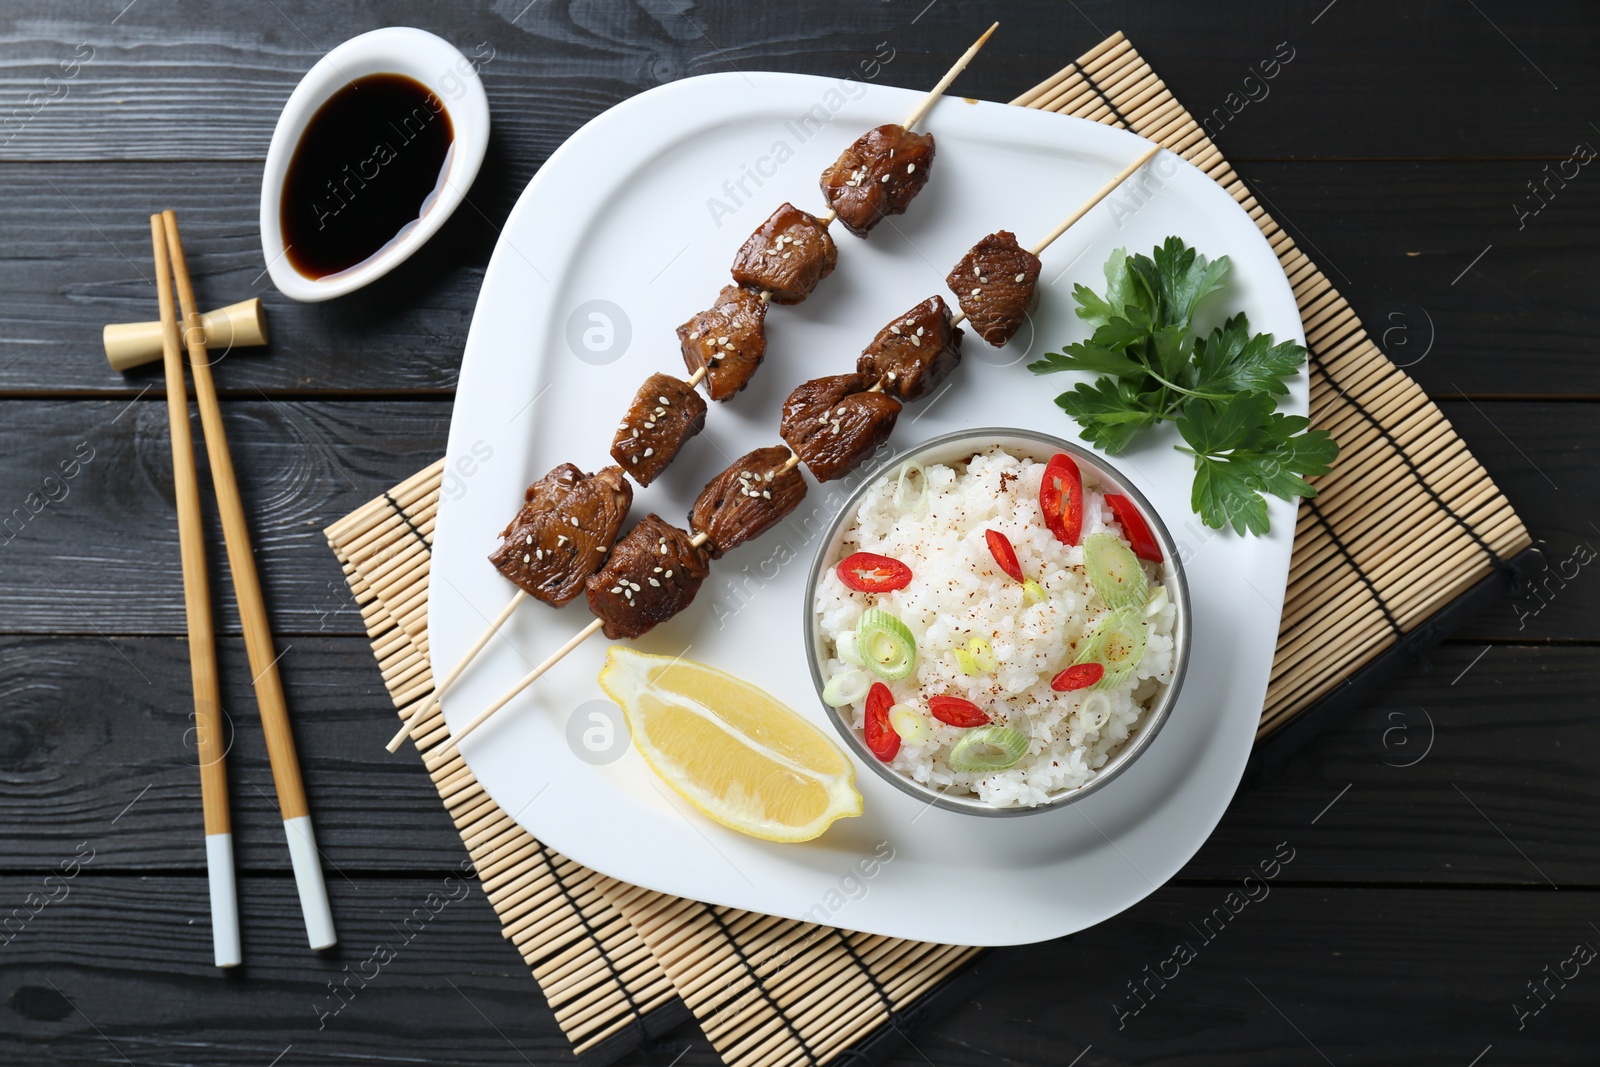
908 722
1095 711
846 687
845 646
977 658
988 748
885 645
1034 591
911 489
1117 643
1114 571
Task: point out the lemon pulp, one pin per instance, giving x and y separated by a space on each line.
729 748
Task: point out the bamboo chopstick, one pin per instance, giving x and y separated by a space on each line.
292 804
202 642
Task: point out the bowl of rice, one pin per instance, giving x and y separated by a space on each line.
997 622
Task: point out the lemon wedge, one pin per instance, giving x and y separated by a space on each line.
730 749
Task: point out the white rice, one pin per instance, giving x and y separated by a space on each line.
957 592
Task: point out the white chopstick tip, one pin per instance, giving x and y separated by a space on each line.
225 947
307 864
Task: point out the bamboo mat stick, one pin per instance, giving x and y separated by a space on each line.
253 615
225 946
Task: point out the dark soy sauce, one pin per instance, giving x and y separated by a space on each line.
370 162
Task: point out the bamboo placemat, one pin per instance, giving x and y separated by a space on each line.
1406 523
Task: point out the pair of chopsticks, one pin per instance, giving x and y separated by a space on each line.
169 263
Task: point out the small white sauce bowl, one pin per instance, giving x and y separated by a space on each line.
419 55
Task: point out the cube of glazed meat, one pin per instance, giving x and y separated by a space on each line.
746 500
727 339
665 412
652 574
912 355
787 255
563 532
994 283
878 176
834 423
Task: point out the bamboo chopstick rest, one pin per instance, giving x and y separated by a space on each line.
241 325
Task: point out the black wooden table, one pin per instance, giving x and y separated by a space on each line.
1445 871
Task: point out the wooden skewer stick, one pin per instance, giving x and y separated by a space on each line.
588 631
456 671
827 217
202 641
527 679
292 803
931 98
1088 205
949 76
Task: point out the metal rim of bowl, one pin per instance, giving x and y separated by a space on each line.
1106 477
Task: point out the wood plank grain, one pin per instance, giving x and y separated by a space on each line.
1458 288
1436 770
97 743
102 556
122 967
1297 976
1543 456
1481 766
119 969
1514 324
1365 79
76 263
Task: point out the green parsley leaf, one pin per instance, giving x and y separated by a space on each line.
1243 449
1221 390
1232 361
1224 495
1211 427
1111 413
1091 357
1177 279
1121 290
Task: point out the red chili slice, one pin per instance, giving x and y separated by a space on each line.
1006 556
956 712
868 572
881 738
1140 538
1061 498
1078 676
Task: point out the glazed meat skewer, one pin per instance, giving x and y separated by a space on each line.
780 263
648 459
609 574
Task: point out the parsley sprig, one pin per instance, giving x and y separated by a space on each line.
1220 390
